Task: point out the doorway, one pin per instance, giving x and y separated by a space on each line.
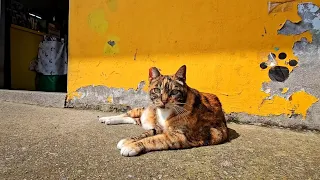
35 45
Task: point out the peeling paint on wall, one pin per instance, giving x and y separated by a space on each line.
284 90
110 97
294 87
310 20
297 104
278 6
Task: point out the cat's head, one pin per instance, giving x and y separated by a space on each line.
166 91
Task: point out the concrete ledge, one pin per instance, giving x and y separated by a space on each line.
46 99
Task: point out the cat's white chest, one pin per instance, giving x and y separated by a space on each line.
162 116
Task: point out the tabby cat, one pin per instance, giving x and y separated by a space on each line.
179 117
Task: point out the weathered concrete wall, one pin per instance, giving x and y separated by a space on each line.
306 76
260 59
110 99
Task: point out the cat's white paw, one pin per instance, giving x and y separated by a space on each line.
117 120
106 120
124 142
129 150
121 143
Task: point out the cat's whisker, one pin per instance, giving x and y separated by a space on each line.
181 112
184 105
179 103
177 109
177 112
179 115
182 109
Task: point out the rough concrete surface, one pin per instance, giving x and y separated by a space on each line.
52 143
46 99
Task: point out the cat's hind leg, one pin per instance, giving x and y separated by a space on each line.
218 135
131 117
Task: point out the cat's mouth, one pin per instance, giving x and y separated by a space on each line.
162 107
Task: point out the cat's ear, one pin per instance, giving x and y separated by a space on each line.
153 73
181 73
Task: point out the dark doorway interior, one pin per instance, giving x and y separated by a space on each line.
2 42
33 53
4 47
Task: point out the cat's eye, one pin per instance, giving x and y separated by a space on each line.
156 90
174 92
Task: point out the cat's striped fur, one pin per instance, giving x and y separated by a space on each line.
180 117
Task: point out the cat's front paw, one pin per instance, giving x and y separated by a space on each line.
123 142
132 149
106 120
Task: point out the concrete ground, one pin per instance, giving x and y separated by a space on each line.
53 143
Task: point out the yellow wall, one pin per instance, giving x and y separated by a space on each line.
221 42
24 45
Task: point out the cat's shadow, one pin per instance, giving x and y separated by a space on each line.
233 134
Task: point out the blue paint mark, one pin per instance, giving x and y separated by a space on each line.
111 43
276 49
